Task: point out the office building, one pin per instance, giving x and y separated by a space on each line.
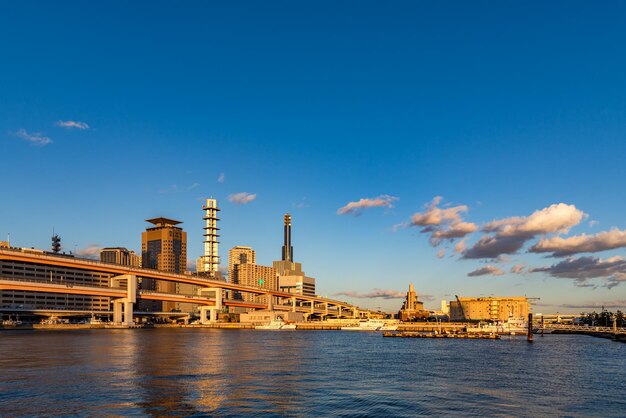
489 308
210 260
298 285
164 248
236 256
291 278
121 256
254 275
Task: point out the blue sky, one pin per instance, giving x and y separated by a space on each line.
501 108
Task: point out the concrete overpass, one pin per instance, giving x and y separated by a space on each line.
123 289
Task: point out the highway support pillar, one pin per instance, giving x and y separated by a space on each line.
210 310
293 304
123 307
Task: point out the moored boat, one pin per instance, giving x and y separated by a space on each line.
276 325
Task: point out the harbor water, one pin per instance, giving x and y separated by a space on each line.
212 372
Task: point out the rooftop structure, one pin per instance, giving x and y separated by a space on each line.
287 248
161 221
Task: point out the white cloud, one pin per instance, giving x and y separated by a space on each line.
221 178
510 234
193 186
376 293
486 271
441 253
558 218
436 216
602 241
242 198
91 251
35 137
581 269
355 208
459 247
443 224
518 269
71 124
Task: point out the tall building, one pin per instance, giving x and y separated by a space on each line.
164 248
489 308
412 308
121 256
254 275
291 278
239 255
209 262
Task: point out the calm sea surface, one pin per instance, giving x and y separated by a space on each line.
206 372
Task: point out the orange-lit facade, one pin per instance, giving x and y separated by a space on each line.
163 248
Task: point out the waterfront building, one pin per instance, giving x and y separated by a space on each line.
210 260
253 275
489 308
49 273
236 256
412 308
291 278
298 285
120 256
264 316
164 248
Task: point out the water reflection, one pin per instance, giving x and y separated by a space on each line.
229 372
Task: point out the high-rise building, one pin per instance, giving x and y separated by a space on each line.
209 262
121 256
291 278
254 275
164 248
239 255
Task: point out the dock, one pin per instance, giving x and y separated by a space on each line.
476 336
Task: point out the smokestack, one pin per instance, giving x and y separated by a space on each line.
287 248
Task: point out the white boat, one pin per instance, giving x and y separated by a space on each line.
368 325
276 325
389 326
511 326
95 321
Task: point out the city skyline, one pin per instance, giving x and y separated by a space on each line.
466 152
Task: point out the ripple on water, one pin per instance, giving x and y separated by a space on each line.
197 372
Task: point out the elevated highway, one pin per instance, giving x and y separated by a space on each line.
123 290
91 265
